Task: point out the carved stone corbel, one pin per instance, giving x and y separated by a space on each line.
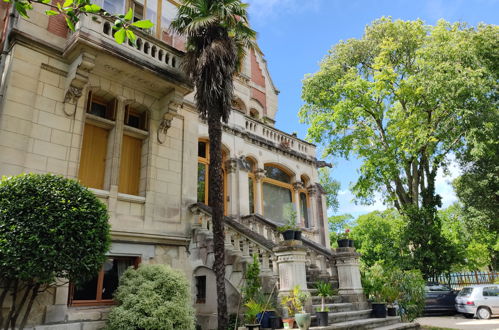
260 174
174 105
76 80
298 185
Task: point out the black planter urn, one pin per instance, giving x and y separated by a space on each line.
297 235
350 243
288 235
276 322
343 242
392 311
379 310
322 318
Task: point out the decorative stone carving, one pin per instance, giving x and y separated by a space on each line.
173 104
231 165
298 185
312 191
260 174
76 80
164 125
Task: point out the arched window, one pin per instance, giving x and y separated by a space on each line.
251 184
304 203
203 166
277 193
254 114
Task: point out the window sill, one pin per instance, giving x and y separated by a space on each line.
135 132
100 193
131 198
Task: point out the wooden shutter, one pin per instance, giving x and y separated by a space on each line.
93 156
130 165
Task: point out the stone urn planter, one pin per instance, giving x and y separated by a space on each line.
303 320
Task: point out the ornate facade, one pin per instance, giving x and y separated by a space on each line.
122 120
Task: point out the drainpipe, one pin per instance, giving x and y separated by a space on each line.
11 16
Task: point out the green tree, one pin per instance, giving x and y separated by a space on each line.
218 36
337 225
378 238
152 297
50 228
401 99
477 245
331 188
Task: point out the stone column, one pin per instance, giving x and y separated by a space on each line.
296 192
232 191
291 257
347 265
259 176
314 214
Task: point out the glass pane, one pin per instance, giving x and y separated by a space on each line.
277 174
152 10
251 196
87 290
116 7
98 109
201 182
113 269
202 149
275 199
304 209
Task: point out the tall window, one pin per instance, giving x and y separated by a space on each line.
94 153
304 203
251 184
200 289
277 193
98 148
100 289
203 164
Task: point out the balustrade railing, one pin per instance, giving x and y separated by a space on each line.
147 47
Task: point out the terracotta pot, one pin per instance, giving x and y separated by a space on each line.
290 321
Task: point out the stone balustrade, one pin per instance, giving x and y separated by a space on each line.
279 138
147 48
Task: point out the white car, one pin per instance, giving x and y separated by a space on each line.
480 301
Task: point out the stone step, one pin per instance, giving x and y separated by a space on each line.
370 323
87 325
330 300
400 326
335 307
336 317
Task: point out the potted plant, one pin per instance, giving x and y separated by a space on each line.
290 231
291 306
250 315
373 282
324 290
391 294
303 319
344 240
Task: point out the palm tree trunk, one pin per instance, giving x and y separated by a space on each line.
215 200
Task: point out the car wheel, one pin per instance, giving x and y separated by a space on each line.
483 313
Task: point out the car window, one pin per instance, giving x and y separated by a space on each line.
465 292
491 291
438 287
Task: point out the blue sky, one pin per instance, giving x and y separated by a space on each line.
296 34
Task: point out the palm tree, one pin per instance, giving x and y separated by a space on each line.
218 36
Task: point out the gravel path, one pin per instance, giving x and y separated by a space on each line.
459 322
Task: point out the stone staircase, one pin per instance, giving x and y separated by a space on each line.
254 234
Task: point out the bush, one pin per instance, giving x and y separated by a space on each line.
409 284
152 297
50 227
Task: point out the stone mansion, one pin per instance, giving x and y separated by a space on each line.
122 120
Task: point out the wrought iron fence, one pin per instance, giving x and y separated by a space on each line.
460 280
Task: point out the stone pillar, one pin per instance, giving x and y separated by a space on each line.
291 257
314 214
297 186
259 176
231 167
347 265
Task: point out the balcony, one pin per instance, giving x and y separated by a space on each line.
148 52
279 138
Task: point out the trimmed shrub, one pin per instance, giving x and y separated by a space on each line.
152 297
50 227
